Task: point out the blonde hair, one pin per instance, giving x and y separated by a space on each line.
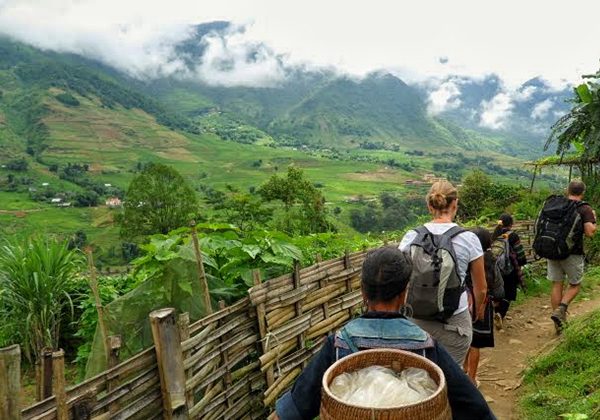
441 195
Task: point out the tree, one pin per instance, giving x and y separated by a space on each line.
480 196
245 210
581 126
474 194
20 165
366 219
158 200
304 204
77 240
86 199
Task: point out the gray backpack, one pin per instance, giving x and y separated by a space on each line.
435 286
501 250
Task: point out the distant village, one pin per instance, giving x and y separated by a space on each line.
60 199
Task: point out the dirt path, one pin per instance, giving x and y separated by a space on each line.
529 332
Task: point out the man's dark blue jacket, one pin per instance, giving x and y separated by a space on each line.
303 401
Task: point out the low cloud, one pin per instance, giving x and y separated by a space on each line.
496 112
444 98
524 94
142 48
542 109
233 60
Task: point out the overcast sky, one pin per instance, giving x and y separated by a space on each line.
517 39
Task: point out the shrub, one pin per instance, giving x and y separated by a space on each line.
37 278
67 99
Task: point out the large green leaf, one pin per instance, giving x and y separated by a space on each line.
251 250
583 91
285 249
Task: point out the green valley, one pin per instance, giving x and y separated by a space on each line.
69 126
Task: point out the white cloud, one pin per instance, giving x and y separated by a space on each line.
541 109
233 60
522 95
445 97
356 37
496 111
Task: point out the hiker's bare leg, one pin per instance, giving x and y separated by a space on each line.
557 294
570 293
472 363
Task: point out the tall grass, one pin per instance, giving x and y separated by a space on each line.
37 280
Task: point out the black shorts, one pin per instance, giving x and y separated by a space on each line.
483 330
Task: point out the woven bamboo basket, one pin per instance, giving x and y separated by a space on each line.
436 407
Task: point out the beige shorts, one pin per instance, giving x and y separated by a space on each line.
455 335
571 268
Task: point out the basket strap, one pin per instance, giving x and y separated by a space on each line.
348 340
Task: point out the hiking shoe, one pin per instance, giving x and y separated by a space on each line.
498 322
559 316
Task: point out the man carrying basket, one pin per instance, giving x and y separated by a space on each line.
385 275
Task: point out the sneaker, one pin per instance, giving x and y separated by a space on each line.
498 322
559 316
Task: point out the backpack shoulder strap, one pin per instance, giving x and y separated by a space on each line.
454 231
421 230
344 334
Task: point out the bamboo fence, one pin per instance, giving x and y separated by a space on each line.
231 364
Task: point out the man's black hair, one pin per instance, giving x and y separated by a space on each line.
385 274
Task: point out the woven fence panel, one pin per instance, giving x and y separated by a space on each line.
134 393
221 365
299 311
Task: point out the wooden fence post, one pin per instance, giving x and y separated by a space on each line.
46 374
533 178
58 382
37 365
10 382
183 322
262 329
169 358
200 267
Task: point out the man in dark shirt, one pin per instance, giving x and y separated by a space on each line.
385 275
572 266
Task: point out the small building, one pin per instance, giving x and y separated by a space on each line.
56 200
65 204
113 202
108 185
45 184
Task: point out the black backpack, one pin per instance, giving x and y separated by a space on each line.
435 286
558 228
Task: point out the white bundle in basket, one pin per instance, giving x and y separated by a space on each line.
380 387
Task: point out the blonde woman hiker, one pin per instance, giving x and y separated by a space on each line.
442 253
